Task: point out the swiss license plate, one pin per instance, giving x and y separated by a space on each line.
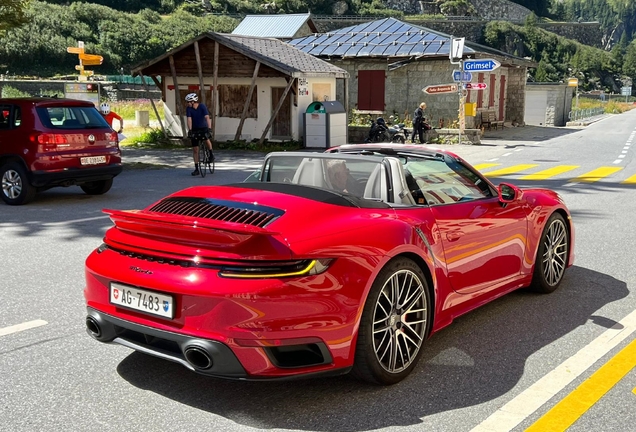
93 160
150 302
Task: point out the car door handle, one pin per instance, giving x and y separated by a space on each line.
454 236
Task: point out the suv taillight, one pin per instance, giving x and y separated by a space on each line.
49 142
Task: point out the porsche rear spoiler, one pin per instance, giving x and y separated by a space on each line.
210 234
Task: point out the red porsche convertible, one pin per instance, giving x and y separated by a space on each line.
327 263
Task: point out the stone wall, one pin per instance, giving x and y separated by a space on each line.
587 33
516 94
403 89
500 10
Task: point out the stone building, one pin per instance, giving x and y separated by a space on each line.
390 62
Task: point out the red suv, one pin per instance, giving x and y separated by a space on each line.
48 142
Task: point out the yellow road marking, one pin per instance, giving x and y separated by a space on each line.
542 175
570 409
596 175
631 180
485 165
509 170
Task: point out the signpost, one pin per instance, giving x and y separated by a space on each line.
481 65
84 60
627 92
441 88
475 86
459 76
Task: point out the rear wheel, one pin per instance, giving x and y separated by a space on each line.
394 325
16 189
97 187
552 256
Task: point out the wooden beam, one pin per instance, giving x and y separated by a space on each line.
200 70
247 102
275 113
152 102
215 90
178 97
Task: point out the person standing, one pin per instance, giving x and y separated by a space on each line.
419 123
109 116
199 123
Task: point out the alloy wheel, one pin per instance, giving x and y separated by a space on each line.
399 321
555 249
11 184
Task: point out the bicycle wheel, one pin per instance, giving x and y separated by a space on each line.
211 159
203 158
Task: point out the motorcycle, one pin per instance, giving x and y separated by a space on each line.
381 132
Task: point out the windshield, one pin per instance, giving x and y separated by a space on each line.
339 173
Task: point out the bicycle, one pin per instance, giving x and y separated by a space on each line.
206 156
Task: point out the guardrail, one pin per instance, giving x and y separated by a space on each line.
585 113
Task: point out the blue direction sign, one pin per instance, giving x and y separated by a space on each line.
481 65
466 77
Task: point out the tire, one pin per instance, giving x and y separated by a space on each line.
203 159
16 189
398 139
97 187
388 350
552 256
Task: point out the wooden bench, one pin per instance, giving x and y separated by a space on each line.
489 119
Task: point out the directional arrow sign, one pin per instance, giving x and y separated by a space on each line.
443 88
91 59
481 65
75 50
475 86
458 76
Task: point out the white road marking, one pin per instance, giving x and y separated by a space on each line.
621 156
617 161
572 184
506 154
21 327
76 220
492 160
530 400
519 149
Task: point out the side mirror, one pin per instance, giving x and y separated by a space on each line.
509 193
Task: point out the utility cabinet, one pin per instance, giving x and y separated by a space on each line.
325 125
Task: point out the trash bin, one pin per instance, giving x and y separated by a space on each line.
325 125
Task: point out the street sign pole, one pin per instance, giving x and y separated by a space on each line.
460 90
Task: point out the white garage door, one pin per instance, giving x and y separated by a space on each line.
536 106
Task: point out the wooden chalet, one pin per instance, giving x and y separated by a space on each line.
257 88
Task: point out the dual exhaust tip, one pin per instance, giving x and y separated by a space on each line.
196 355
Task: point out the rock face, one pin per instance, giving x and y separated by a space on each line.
488 9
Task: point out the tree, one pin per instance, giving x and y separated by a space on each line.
12 14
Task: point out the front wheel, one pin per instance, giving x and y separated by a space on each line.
97 187
552 256
16 189
394 325
398 139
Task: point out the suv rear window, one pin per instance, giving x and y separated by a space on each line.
66 117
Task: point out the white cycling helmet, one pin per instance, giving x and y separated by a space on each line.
191 97
104 108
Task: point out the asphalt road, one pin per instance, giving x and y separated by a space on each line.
489 366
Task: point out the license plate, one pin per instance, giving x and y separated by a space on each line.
150 302
93 160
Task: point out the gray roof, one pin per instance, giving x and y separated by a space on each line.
271 52
387 37
276 26
280 55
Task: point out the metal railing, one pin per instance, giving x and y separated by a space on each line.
585 113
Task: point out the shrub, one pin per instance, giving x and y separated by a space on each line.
12 92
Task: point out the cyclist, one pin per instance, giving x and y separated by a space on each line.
199 123
109 116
